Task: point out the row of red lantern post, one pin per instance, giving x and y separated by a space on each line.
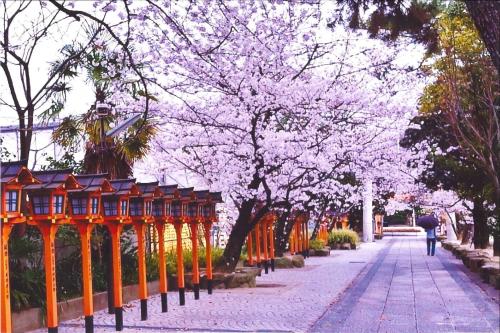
261 240
58 197
262 235
299 236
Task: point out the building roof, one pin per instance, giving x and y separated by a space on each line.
93 182
124 186
16 171
53 179
186 192
148 189
168 190
216 197
202 195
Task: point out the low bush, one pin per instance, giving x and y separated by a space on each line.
187 255
343 236
317 244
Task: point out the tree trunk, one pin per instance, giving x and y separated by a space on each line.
485 14
282 233
237 237
496 245
481 235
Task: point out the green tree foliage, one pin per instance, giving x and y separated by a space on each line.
457 115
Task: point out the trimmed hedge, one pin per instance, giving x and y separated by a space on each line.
343 236
317 244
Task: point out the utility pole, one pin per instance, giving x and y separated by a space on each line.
368 210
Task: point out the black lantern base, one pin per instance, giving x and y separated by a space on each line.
118 318
196 289
210 286
144 309
89 324
164 304
272 265
182 296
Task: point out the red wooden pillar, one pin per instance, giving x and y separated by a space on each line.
299 236
296 238
304 239
208 249
115 231
196 268
271 242
257 244
48 231
249 249
180 264
140 229
162 267
307 240
264 241
85 231
5 313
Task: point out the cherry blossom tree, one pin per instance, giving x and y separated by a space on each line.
264 106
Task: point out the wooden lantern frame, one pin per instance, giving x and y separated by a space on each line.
93 185
180 205
124 188
141 215
55 185
13 177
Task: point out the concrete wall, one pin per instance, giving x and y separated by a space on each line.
32 319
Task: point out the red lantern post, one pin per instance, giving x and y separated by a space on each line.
116 213
180 213
13 176
47 206
85 212
265 238
141 214
162 211
271 219
210 217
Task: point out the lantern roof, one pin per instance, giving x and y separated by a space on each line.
16 172
125 187
216 197
202 195
54 179
94 182
187 193
169 190
149 189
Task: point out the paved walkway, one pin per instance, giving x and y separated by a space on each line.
404 290
387 286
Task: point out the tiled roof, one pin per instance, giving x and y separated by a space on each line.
168 190
122 186
91 183
11 170
202 195
185 193
50 179
147 189
216 197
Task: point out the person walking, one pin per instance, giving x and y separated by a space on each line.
431 241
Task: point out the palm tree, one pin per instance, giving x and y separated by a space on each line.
112 155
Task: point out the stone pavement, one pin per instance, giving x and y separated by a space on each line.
404 290
387 286
284 300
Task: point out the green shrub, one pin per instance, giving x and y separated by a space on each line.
171 257
343 236
316 244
